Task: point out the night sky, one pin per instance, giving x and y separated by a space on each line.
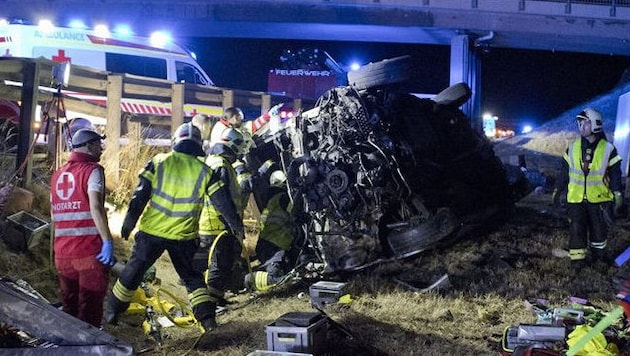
518 85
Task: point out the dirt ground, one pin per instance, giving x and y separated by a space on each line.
490 273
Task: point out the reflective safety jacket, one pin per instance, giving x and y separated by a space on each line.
179 184
217 131
277 222
211 223
244 178
591 186
76 234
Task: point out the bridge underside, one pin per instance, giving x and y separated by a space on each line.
372 21
490 24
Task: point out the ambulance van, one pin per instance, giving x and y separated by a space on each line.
103 51
111 52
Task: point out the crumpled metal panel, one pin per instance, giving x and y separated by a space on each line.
59 333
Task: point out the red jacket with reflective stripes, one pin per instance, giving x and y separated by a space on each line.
76 234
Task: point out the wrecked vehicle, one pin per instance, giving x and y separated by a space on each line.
376 173
30 325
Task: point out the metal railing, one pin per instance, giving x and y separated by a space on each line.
613 4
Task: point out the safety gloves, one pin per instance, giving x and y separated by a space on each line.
106 256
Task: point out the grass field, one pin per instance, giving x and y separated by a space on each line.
491 272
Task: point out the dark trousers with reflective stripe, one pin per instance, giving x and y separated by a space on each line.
272 258
226 253
587 223
148 248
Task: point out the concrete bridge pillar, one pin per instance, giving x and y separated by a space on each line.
465 67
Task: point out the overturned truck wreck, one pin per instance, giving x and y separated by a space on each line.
381 174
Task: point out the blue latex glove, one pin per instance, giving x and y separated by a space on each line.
106 256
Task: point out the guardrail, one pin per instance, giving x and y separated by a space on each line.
100 94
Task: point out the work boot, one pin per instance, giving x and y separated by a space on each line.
110 316
577 266
208 325
600 254
113 309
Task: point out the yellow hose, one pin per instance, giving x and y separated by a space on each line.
211 252
182 322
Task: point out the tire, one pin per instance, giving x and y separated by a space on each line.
455 95
419 238
385 72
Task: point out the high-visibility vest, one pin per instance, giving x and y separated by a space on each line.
180 182
76 234
210 223
276 223
592 186
242 174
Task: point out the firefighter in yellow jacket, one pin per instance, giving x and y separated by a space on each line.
222 155
592 175
276 238
168 201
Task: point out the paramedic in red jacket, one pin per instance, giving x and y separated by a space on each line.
83 243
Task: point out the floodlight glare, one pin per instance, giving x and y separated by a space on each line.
101 31
46 26
160 39
61 74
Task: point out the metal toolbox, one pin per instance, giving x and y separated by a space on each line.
31 227
324 292
298 332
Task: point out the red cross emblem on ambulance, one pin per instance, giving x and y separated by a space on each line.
61 57
65 185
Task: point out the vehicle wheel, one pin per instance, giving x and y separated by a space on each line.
419 238
385 72
455 95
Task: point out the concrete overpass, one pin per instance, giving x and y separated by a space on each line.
591 26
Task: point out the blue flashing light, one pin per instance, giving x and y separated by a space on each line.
527 129
77 24
355 66
160 39
123 31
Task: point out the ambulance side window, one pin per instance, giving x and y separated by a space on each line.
138 65
187 73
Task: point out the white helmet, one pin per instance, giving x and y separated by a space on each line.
84 136
592 115
187 131
277 179
233 139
